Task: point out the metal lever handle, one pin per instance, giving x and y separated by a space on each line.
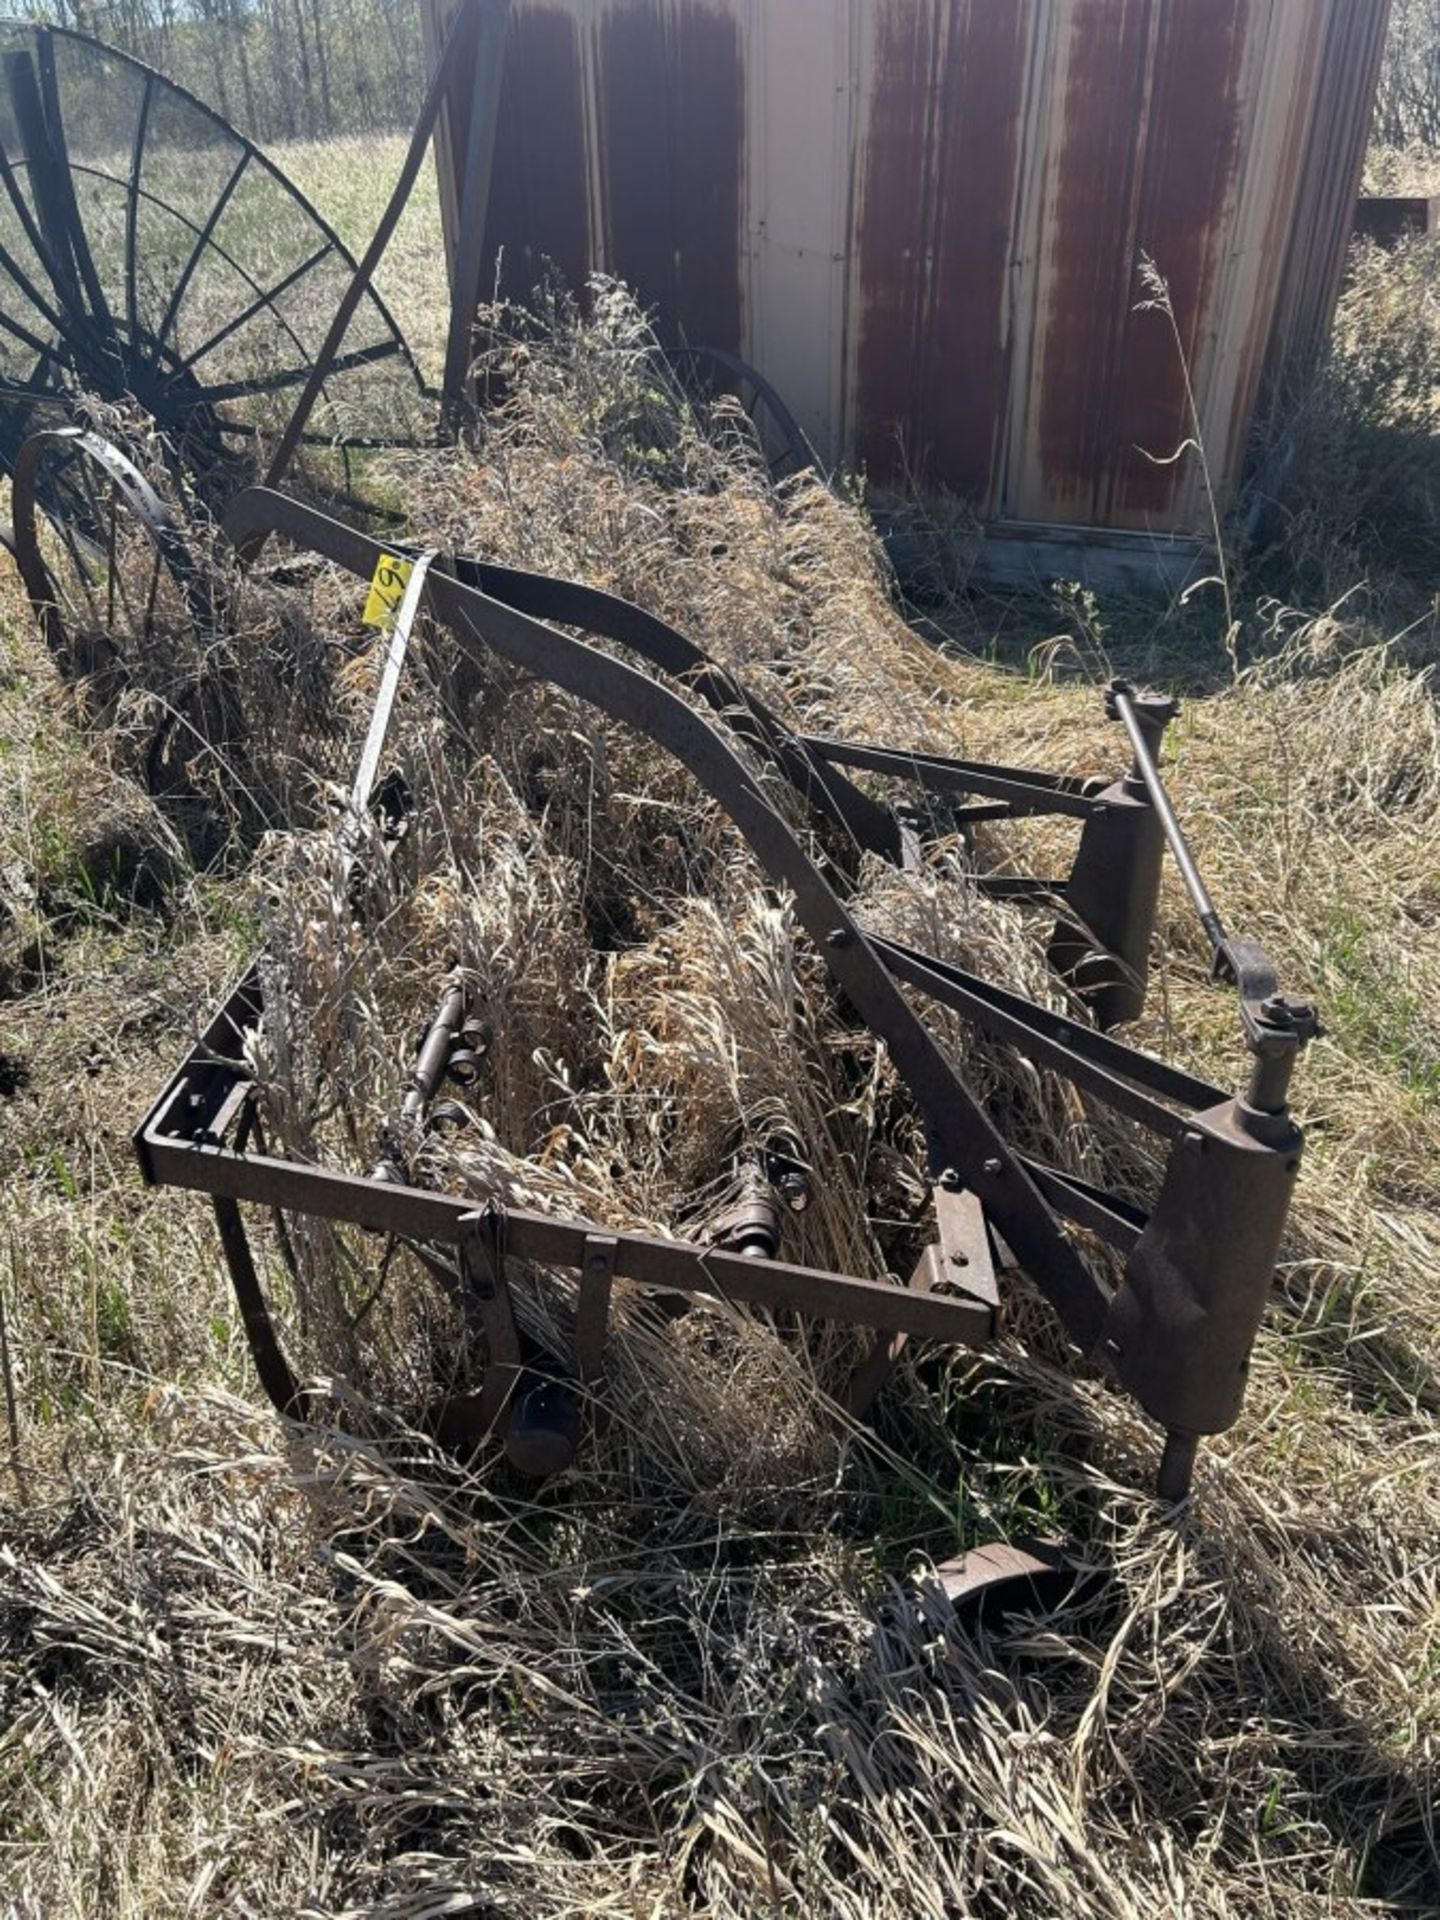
1274 1025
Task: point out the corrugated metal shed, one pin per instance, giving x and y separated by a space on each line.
922 219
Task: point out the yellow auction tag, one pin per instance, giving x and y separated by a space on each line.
387 590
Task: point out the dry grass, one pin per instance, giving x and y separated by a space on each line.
260 1671
1404 171
348 180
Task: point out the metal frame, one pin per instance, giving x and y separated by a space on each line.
1178 1330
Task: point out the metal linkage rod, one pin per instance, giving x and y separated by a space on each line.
1276 1028
1123 699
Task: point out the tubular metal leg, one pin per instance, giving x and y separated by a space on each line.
1177 1467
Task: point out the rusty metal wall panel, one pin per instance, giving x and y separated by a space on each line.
1350 49
937 197
922 218
1143 132
671 128
539 204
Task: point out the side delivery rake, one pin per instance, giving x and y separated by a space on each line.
1178 1329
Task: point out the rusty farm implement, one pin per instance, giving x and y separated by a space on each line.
128 289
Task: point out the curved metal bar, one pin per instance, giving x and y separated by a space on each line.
139 496
963 1135
872 825
606 615
266 1350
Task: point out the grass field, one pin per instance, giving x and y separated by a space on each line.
257 1670
347 180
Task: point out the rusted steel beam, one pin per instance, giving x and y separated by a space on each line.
476 86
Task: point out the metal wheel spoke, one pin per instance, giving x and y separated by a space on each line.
203 240
266 300
32 293
112 570
132 209
296 376
26 338
77 561
152 592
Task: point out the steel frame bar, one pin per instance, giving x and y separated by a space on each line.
672 1265
43 167
180 1145
1108 1068
1025 790
54 269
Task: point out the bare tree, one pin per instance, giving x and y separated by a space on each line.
1408 107
274 66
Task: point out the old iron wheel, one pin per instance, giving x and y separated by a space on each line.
150 253
708 374
115 591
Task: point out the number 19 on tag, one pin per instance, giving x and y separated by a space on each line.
387 590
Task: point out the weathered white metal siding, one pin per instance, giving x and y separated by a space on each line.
795 291
922 218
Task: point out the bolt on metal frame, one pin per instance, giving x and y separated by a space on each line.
1176 1332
